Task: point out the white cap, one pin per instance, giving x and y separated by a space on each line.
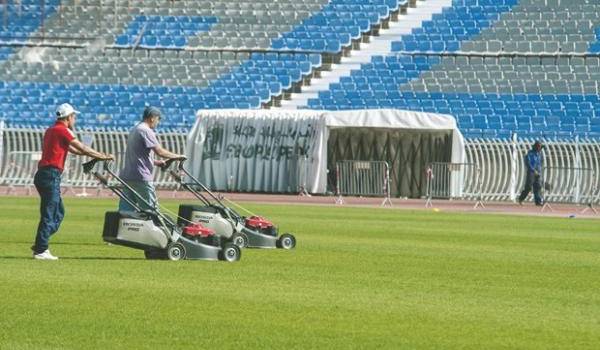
65 110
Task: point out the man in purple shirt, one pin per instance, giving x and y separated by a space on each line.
139 160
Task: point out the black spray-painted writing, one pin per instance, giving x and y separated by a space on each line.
275 141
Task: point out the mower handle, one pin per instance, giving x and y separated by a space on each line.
89 165
168 162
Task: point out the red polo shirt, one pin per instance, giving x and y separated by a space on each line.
56 146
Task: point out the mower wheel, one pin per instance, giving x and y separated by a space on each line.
240 239
286 241
230 252
175 251
155 254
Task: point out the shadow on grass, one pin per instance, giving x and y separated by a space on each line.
98 258
56 243
71 258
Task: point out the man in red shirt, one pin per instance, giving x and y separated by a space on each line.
58 141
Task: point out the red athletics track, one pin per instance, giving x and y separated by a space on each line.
557 209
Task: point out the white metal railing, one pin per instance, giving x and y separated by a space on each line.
363 178
570 167
498 172
569 184
22 150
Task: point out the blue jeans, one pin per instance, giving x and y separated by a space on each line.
52 211
145 190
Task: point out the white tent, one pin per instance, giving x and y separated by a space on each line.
275 150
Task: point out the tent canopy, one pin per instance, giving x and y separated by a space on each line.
281 150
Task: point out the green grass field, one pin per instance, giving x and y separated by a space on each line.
359 278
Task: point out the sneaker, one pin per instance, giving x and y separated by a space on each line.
45 255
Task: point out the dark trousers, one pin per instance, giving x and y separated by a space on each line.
52 211
532 181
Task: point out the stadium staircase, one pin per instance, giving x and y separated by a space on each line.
380 44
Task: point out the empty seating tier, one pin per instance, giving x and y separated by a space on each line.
498 66
518 67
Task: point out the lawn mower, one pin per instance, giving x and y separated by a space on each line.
155 233
252 232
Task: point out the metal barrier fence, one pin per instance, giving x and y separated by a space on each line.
21 152
569 185
496 171
570 167
453 181
302 171
20 169
363 178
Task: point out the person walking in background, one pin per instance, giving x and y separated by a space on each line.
533 166
58 141
139 161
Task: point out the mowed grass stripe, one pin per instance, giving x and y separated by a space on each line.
360 278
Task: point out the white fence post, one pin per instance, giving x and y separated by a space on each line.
338 192
577 170
429 178
387 184
1 146
513 168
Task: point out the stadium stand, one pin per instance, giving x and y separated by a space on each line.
163 31
113 59
516 68
498 66
336 25
595 47
24 20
